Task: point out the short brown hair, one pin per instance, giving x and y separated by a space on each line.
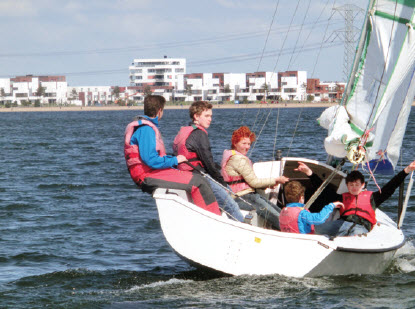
152 105
198 107
241 133
294 190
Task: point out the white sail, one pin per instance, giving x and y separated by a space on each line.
381 86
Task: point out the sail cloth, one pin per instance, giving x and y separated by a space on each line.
380 89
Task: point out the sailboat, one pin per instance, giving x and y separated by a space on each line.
367 128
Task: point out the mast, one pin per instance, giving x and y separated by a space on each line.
359 51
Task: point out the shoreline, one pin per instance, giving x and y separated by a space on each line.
122 108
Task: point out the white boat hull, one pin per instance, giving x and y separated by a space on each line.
236 248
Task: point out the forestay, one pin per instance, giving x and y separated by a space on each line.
380 89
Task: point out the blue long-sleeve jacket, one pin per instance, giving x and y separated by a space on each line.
306 219
145 138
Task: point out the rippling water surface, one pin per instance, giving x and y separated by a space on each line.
76 233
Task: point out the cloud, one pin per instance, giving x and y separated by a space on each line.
13 8
246 4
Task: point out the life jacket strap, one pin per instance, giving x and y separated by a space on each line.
235 182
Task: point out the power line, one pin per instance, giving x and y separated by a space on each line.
175 44
213 61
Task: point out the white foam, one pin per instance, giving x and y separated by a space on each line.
406 266
158 284
407 249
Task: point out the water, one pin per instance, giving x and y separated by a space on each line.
76 233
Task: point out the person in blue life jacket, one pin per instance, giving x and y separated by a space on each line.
294 218
149 165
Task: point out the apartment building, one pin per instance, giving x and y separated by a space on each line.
167 77
242 86
324 91
29 88
90 95
159 75
293 85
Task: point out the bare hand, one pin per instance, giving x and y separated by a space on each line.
304 169
338 205
410 167
282 180
181 158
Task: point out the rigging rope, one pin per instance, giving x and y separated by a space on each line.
312 74
206 175
324 184
299 34
259 134
312 28
276 134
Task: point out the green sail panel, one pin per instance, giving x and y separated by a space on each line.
382 86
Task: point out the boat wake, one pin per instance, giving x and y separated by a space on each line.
157 284
405 258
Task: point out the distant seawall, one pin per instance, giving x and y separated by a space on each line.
121 108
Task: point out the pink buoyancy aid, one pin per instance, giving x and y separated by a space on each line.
132 153
179 147
237 183
289 219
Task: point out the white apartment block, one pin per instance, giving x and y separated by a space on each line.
161 75
90 95
242 86
167 77
293 85
25 88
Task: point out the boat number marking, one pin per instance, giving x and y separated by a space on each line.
324 245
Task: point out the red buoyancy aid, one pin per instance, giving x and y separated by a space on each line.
132 153
179 147
358 205
237 183
289 219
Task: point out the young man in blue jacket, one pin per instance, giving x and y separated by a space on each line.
151 168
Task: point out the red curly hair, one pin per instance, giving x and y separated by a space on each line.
240 133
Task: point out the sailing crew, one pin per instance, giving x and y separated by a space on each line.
294 218
151 168
192 141
237 171
358 215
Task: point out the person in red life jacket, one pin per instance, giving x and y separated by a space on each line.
358 215
192 141
237 171
294 218
151 168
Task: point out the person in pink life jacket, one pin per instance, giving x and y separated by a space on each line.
294 218
237 171
192 141
151 168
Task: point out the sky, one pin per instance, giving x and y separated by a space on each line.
93 42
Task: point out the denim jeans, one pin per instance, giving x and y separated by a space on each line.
340 228
226 201
264 208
